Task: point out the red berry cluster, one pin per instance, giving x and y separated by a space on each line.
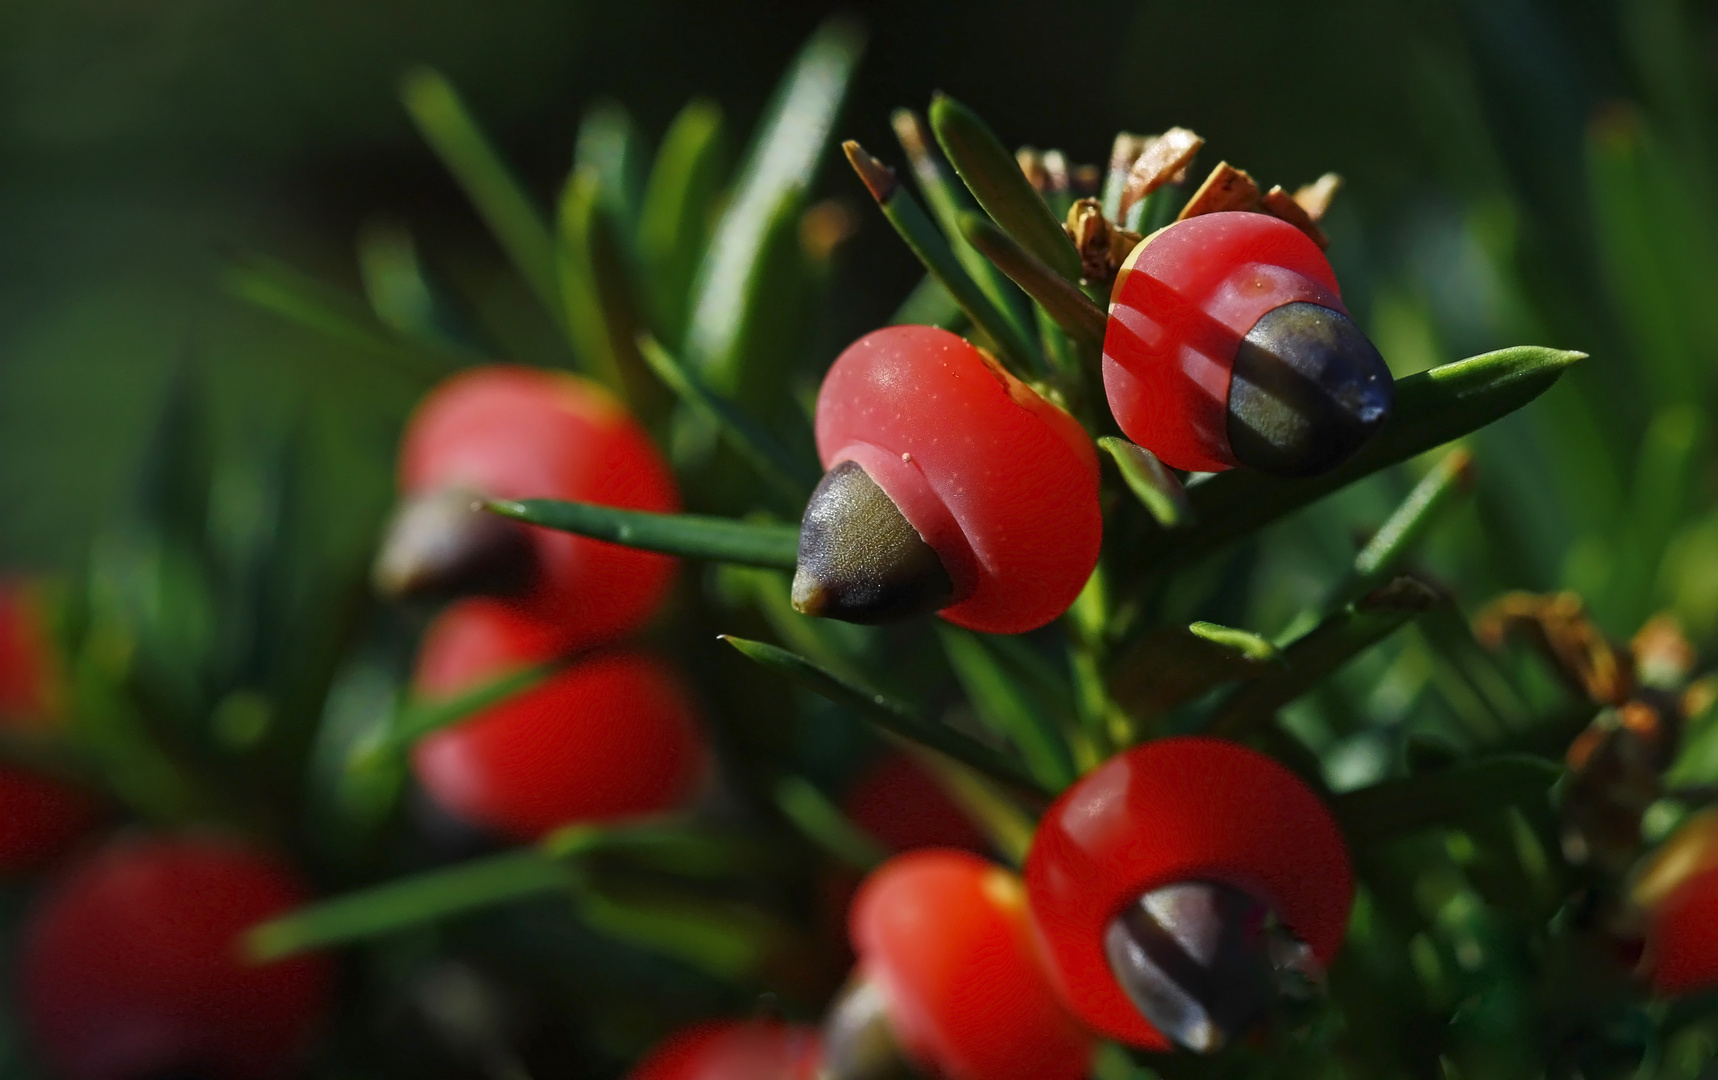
955 487
568 749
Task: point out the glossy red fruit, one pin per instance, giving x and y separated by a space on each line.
733 1050
1173 811
999 483
1228 344
610 736
131 966
520 433
944 940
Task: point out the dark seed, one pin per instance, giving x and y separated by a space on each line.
441 544
859 559
1308 389
1194 961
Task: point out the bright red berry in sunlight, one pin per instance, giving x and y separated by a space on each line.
608 736
1155 880
733 1050
518 433
949 971
1228 345
952 485
131 966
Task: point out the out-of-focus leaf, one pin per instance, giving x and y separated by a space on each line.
791 475
419 718
932 248
512 216
824 823
770 191
1396 808
892 716
1150 481
1407 524
1007 709
299 298
408 901
727 939
1671 460
1432 408
1172 665
929 304
1320 651
608 145
400 290
691 535
603 320
995 180
1657 237
1071 308
948 201
674 221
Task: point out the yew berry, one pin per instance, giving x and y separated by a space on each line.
1228 345
899 803
611 735
518 433
951 485
733 1050
27 681
40 816
1152 881
949 978
1676 890
131 966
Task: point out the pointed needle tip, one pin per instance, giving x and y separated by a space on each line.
878 177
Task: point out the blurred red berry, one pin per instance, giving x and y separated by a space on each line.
900 804
28 683
733 1050
945 945
1682 937
610 736
1228 345
518 433
131 966
40 818
1676 889
999 484
1175 812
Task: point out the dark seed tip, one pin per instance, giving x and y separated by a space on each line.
442 544
860 560
1308 390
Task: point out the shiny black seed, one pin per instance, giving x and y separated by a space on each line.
1308 389
859 559
1194 961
